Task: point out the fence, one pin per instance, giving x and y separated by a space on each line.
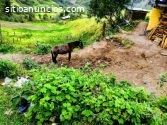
22 38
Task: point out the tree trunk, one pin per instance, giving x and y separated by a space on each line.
0 34
104 29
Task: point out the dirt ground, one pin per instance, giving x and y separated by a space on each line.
141 64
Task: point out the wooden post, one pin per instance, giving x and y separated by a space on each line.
0 34
104 29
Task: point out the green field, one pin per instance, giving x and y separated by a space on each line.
27 34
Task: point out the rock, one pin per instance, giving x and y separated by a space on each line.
145 82
54 123
108 38
32 58
9 112
52 119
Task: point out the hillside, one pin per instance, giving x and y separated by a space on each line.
51 2
84 3
33 2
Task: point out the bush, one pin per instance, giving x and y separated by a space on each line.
4 48
30 64
162 79
43 49
9 69
57 18
74 97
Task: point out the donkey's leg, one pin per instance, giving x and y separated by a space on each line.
69 56
56 57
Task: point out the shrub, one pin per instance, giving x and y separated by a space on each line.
4 48
9 69
93 98
45 17
30 64
57 18
43 49
162 79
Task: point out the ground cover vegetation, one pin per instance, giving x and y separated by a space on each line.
79 96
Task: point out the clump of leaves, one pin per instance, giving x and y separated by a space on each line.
162 103
9 69
42 49
92 98
128 26
162 79
127 42
4 48
87 67
124 41
30 64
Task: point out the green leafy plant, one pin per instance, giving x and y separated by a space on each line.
30 64
87 67
9 69
43 49
22 93
102 66
4 48
8 110
93 98
162 79
127 42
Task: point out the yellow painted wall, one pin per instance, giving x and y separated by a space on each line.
154 18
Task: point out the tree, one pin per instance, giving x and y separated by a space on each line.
109 9
3 5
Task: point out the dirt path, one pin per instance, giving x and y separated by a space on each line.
141 64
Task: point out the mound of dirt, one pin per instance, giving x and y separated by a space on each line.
141 64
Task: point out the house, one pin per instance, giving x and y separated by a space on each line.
65 17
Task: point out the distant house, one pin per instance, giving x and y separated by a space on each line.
65 17
135 13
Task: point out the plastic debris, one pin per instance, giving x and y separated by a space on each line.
23 109
19 83
7 81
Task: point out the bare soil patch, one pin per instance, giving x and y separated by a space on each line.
141 64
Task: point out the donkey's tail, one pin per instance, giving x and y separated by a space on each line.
53 57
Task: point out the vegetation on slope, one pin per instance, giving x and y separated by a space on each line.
81 96
49 33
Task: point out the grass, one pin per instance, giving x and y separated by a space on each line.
26 35
6 105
